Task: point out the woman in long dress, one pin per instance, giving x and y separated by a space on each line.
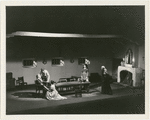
106 89
53 94
85 73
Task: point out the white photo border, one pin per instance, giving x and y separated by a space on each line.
60 3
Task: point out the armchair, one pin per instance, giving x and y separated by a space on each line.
20 82
10 81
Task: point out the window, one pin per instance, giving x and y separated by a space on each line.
29 63
81 60
58 62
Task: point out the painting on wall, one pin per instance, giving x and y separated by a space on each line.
129 56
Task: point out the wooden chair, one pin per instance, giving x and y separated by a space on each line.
20 82
62 80
72 79
38 86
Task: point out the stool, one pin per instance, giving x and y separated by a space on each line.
78 91
21 82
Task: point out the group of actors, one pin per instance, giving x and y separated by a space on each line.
49 89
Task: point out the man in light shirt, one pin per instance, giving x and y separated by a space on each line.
44 77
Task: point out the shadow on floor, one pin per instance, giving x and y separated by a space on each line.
28 95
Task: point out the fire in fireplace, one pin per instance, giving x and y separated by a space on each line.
130 74
126 77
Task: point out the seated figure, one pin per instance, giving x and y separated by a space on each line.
44 78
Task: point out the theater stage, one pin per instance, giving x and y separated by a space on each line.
124 100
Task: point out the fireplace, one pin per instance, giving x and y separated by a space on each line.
134 74
126 78
128 73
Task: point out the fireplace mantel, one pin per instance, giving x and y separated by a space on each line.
136 74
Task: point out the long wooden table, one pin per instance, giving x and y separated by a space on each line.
71 86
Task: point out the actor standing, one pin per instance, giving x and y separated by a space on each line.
106 89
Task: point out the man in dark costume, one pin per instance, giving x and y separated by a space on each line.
106 89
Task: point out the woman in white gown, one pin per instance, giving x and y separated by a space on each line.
85 73
53 93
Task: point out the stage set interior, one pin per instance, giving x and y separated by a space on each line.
102 34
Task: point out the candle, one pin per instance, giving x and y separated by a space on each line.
133 61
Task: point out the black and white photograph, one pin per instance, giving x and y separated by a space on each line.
75 60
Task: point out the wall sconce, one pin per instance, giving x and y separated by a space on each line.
44 61
72 60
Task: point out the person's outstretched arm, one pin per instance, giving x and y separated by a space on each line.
48 76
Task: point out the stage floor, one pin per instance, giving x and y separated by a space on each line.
25 102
